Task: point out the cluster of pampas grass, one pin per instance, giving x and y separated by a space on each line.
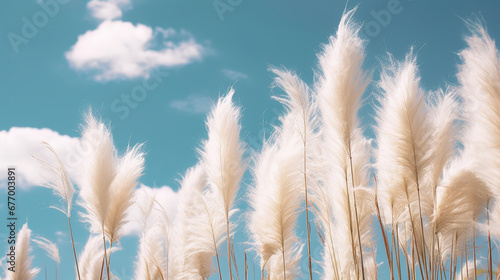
429 181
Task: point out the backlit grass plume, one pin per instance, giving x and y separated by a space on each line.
186 258
403 139
345 155
90 259
23 269
59 181
108 182
62 187
51 249
298 130
222 158
479 76
276 201
151 256
461 197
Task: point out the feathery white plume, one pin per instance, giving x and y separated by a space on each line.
151 256
461 197
90 259
99 169
345 153
188 209
443 117
403 138
222 153
129 169
222 158
49 247
479 76
276 200
108 183
59 182
206 234
23 270
279 188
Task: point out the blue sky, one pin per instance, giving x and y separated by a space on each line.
179 56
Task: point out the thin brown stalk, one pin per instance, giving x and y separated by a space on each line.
74 251
246 266
105 256
283 252
414 241
234 261
355 261
356 216
213 238
386 243
419 209
395 241
108 264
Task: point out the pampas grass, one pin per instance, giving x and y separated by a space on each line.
151 256
59 182
108 183
479 75
62 187
344 150
23 269
435 172
51 249
91 258
403 139
299 130
187 259
222 158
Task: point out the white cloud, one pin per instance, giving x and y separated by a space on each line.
107 9
234 75
19 143
61 237
138 220
119 49
192 104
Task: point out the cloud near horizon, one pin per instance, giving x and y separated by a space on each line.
20 143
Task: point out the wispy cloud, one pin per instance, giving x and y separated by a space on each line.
107 9
19 143
234 75
192 104
61 236
121 50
